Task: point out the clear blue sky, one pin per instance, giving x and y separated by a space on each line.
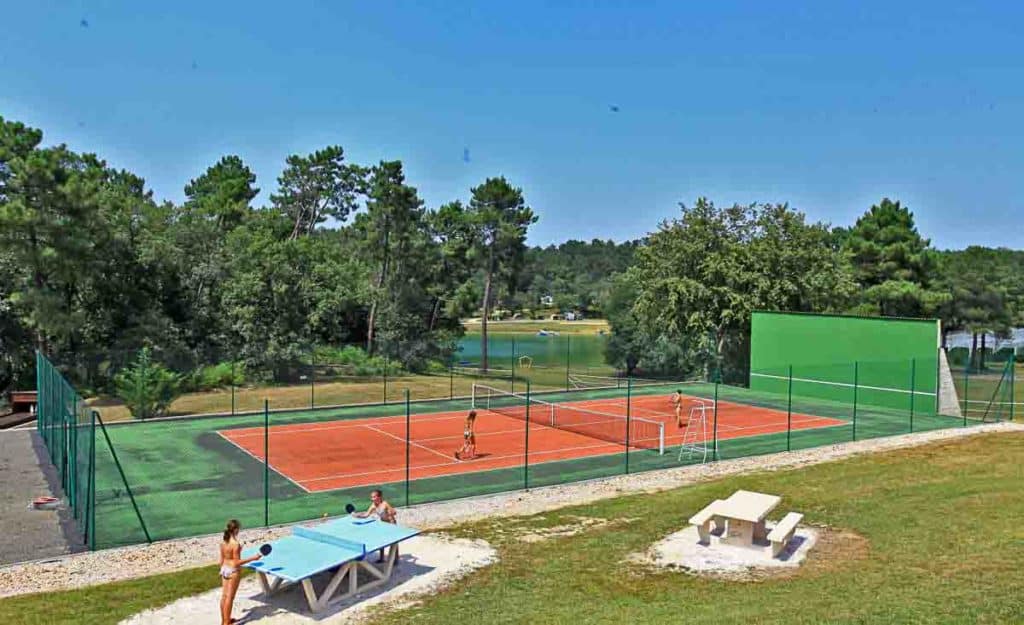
826 105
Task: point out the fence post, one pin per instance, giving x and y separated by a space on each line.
715 428
451 377
124 478
1013 374
856 371
629 411
266 462
913 375
90 527
232 388
967 396
513 364
312 378
568 360
789 410
385 378
526 441
408 438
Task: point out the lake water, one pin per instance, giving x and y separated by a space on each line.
580 351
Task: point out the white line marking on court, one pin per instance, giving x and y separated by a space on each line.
411 442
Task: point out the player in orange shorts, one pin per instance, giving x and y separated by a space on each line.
468 450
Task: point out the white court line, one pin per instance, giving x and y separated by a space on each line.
257 459
448 464
404 440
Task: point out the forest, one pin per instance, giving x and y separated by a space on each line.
106 280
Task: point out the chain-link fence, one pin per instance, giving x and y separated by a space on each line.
134 481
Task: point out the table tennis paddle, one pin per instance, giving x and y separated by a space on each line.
265 549
349 508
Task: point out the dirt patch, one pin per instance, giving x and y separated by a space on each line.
579 525
811 549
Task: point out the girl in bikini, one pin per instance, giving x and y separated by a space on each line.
230 564
677 403
384 511
468 450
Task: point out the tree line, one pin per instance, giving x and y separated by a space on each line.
93 269
684 306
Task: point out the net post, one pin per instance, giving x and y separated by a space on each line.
526 442
124 478
266 462
715 429
789 410
856 375
629 412
408 438
90 526
913 375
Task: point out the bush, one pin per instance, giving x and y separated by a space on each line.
217 376
147 387
352 360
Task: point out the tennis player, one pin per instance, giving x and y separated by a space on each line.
677 403
468 449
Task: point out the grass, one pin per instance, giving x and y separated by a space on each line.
931 535
110 603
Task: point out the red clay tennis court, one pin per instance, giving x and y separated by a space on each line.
361 452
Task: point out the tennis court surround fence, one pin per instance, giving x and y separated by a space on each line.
139 481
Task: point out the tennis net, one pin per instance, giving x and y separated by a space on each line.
612 428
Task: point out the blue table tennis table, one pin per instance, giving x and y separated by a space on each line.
345 544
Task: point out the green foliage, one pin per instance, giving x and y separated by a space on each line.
220 375
352 360
893 263
147 387
696 281
577 275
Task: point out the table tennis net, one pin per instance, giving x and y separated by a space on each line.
613 428
329 539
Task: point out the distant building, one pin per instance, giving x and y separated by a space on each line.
547 300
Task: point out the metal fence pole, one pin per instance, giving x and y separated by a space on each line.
967 396
124 478
232 388
913 375
568 360
451 377
715 429
856 372
629 411
789 411
385 378
513 364
91 512
312 378
526 442
408 439
266 462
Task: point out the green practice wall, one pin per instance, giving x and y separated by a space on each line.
829 353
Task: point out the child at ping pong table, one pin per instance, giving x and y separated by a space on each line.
380 508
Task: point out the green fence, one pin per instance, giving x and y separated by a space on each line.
137 481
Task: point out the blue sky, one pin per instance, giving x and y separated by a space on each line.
828 106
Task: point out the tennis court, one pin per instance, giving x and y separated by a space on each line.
363 452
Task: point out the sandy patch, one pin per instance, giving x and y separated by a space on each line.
428 564
580 524
682 550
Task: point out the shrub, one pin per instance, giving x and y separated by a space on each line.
217 376
147 387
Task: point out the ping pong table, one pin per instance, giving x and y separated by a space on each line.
343 544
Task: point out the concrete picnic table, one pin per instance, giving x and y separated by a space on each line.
744 513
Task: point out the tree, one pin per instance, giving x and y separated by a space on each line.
147 387
499 217
222 194
393 219
315 187
894 265
699 277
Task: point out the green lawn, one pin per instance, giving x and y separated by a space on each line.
931 535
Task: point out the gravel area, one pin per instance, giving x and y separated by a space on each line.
26 473
429 563
683 550
115 564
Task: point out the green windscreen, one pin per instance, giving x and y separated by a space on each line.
891 362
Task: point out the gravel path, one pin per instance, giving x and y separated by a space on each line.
115 564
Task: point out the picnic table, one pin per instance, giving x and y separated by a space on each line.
743 515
